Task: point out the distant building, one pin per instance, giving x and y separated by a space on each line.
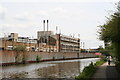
10 42
23 39
67 44
13 37
46 41
61 42
42 36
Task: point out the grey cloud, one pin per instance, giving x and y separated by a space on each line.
3 12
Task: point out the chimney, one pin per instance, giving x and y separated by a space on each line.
56 29
47 25
43 25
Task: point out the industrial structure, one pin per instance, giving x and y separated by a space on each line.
46 41
62 43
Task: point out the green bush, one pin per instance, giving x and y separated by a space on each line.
53 57
97 56
117 64
38 58
87 72
19 49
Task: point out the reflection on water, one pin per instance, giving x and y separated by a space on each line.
53 69
61 70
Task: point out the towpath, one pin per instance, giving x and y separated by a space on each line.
106 72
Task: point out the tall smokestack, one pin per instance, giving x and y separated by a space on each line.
56 29
59 31
83 45
43 25
47 25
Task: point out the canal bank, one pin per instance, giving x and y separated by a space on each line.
47 60
106 72
52 69
90 70
101 70
11 57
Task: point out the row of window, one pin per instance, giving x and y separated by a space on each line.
27 41
69 39
69 45
65 46
69 50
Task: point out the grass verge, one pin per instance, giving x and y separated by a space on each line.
89 71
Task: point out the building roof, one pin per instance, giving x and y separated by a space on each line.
69 37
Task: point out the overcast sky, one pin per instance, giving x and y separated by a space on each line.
72 17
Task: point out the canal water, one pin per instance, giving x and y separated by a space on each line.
52 69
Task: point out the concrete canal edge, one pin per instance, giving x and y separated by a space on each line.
9 57
47 60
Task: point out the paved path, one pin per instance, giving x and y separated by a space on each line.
106 72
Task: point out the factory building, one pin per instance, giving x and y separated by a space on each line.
46 41
62 43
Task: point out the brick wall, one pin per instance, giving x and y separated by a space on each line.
9 56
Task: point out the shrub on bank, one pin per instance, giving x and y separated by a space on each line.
89 71
117 64
38 58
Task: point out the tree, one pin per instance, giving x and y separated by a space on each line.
21 49
110 32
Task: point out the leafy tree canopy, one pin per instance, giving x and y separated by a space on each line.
110 32
20 48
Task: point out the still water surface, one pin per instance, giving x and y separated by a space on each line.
52 69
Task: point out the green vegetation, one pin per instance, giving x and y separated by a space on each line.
110 34
89 71
38 58
118 65
98 63
53 57
20 48
83 50
18 58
